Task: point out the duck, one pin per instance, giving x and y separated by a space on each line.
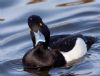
53 51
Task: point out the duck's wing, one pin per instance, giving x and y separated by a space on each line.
67 42
63 42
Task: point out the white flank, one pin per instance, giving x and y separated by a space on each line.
77 52
39 37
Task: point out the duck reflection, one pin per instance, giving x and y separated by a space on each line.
45 73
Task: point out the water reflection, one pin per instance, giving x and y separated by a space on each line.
35 1
74 3
15 68
39 73
45 73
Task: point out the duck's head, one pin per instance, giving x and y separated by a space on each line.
35 22
38 29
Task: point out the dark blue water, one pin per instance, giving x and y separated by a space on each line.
62 17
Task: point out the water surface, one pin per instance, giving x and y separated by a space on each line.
62 17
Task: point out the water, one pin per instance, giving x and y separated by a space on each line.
62 17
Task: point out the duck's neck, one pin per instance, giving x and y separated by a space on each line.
39 37
41 45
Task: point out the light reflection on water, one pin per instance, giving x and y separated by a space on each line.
62 17
74 3
35 1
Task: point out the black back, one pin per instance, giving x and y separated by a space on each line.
67 42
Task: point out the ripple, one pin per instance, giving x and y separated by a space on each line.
82 16
74 3
8 3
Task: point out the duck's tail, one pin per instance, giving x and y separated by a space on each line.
89 41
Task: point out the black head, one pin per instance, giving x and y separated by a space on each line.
36 25
34 19
34 22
